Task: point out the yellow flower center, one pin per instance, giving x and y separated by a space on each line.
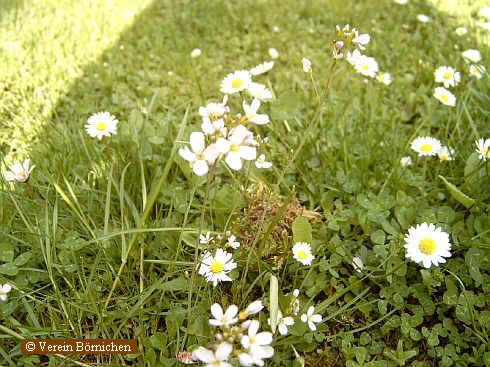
365 67
447 75
216 267
101 126
234 148
427 246
445 98
426 148
302 254
237 83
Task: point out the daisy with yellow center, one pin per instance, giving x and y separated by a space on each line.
236 82
101 124
216 268
384 78
447 76
426 146
427 245
483 148
445 97
302 253
445 154
477 71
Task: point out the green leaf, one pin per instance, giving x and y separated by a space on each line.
6 252
458 194
23 258
302 230
378 237
274 302
9 269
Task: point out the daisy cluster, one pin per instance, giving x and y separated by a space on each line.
427 146
449 77
237 338
349 44
225 135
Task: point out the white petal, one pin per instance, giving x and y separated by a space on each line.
261 119
200 167
204 355
223 351
197 141
231 312
223 145
187 154
217 311
245 359
312 326
247 153
263 338
233 160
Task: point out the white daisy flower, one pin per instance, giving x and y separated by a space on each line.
257 346
477 71
215 268
19 172
200 155
239 145
311 318
445 154
427 245
306 65
401 2
232 242
101 124
252 309
445 97
214 359
4 290
472 55
273 53
302 253
406 161
357 264
483 148
252 115
223 319
426 146
447 75
213 110
384 78
461 31
422 18
296 293
262 163
259 91
363 64
262 68
196 53
236 82
204 239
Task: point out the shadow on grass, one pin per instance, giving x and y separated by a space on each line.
148 80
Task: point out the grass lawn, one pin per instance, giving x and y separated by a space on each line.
103 240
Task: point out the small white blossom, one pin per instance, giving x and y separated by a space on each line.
4 290
232 242
261 162
358 264
214 359
306 65
311 318
196 53
262 68
406 161
423 18
472 55
19 172
302 253
461 31
273 53
223 319
483 148
204 239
